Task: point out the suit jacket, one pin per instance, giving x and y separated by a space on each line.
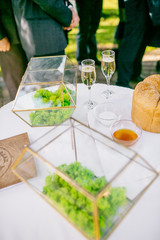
39 24
154 11
7 22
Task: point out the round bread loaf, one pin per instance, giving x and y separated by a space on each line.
146 104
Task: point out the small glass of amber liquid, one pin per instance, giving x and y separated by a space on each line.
125 132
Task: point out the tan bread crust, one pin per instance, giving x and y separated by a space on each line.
155 126
154 80
146 104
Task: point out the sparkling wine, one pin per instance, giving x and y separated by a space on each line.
108 66
88 75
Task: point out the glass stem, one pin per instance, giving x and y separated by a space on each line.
108 78
89 97
107 92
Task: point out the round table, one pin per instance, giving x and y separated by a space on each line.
26 216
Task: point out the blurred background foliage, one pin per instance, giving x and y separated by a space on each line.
105 33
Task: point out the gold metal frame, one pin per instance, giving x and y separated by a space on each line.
52 83
93 198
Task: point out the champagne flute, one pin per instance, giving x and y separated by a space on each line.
88 77
108 68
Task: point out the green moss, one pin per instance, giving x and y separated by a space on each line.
54 99
77 206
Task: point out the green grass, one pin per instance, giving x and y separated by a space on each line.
105 33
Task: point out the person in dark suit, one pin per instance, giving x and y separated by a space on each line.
13 60
134 41
120 27
140 27
41 25
154 12
89 13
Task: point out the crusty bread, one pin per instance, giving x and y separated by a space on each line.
146 104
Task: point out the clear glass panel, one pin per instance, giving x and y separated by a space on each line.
45 63
34 77
135 178
68 200
111 208
89 179
48 83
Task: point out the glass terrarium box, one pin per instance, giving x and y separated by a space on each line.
47 93
93 182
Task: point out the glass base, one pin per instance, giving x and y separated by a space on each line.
90 104
107 94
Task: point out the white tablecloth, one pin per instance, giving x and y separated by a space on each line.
25 216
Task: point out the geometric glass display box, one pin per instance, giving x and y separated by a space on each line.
47 93
88 178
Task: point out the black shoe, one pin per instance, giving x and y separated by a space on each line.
137 79
158 67
97 62
122 84
133 83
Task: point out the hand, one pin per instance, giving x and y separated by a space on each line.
4 45
75 20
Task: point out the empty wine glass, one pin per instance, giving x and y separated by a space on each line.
88 77
108 68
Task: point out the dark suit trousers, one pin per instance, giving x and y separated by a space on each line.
89 13
134 41
13 64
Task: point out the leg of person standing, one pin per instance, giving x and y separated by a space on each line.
13 64
96 10
13 60
134 41
89 13
83 9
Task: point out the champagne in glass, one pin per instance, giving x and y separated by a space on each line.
108 68
88 77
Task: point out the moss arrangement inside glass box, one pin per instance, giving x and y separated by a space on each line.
46 98
78 207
